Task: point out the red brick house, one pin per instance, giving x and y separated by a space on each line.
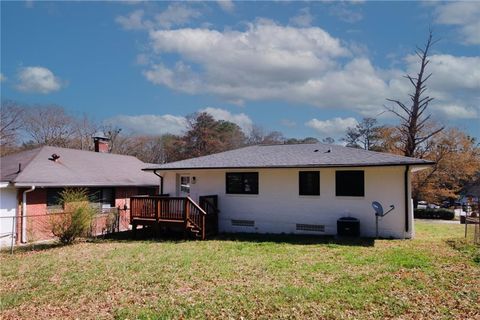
30 183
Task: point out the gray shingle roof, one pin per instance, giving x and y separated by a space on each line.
74 168
291 156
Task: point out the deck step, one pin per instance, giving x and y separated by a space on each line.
159 220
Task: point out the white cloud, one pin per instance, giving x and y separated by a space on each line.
303 18
150 123
38 80
454 85
226 5
335 127
180 77
176 14
2 78
451 72
134 21
299 65
452 111
267 61
465 15
345 13
241 119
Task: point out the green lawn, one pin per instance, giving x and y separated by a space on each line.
249 277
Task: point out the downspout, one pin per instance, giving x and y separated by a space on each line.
24 213
407 200
161 181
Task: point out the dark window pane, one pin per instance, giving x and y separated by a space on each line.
350 183
146 191
53 197
104 197
309 183
94 195
234 183
108 197
242 182
250 183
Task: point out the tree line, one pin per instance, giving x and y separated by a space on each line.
24 127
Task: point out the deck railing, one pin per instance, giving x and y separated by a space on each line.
158 209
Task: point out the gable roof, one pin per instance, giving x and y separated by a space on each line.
73 168
291 156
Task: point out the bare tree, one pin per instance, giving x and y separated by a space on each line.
258 136
84 128
10 123
116 139
49 125
414 122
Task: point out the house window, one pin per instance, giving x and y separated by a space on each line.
146 191
350 183
185 184
242 182
309 183
54 198
104 197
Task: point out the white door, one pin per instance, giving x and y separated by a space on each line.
184 182
8 209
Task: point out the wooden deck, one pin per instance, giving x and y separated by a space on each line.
199 220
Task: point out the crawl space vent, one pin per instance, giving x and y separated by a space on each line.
243 223
311 227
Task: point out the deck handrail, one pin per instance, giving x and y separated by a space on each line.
158 209
196 205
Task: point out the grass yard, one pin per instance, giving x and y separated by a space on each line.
250 277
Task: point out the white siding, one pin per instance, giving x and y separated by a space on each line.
8 208
278 208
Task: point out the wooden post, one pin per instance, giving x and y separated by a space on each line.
132 209
186 211
134 228
466 225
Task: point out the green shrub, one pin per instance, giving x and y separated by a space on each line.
77 217
443 214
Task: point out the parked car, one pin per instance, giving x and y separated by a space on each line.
422 205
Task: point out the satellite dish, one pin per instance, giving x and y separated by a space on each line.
378 208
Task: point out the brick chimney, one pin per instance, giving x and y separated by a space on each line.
101 144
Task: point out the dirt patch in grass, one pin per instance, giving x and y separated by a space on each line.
245 276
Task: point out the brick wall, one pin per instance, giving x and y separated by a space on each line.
122 200
38 219
38 222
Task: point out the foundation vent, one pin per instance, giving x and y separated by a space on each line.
243 223
311 227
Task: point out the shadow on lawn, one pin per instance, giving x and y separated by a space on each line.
47 245
149 235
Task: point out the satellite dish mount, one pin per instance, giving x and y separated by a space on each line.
380 213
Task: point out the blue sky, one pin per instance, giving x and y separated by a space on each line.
303 68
